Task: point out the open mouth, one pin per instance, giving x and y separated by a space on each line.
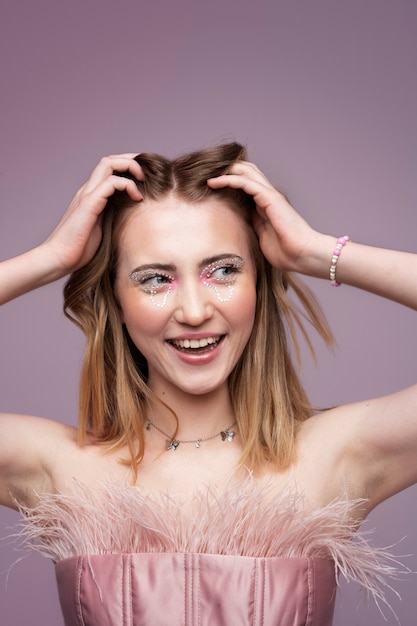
195 346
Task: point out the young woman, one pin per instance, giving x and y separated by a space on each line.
201 487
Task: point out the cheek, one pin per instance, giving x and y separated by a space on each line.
141 318
243 307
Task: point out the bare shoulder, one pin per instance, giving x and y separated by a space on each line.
322 429
366 448
29 448
327 455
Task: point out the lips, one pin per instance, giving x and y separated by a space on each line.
196 345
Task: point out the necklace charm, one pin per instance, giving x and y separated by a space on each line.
172 444
227 435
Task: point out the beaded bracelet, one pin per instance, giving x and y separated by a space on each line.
342 241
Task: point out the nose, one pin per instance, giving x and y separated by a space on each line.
194 303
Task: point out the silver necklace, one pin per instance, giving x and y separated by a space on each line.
172 444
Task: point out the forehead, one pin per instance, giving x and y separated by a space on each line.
179 228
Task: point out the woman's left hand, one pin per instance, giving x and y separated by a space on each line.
286 239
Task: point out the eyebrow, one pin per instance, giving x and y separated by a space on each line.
165 267
171 267
219 257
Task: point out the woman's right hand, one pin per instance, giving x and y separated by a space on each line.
76 238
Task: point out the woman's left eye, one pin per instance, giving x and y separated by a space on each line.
223 271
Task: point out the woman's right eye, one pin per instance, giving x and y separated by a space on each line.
159 279
150 280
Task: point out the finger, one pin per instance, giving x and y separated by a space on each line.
118 183
258 223
98 197
238 181
247 168
110 164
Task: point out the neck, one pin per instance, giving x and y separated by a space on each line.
198 415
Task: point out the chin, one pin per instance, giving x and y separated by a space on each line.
201 388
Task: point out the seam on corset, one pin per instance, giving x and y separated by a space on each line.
191 583
311 591
78 589
198 591
255 591
122 589
185 588
129 608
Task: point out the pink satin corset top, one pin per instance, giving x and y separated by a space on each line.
194 589
243 556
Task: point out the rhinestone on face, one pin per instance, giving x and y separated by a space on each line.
173 445
218 294
154 293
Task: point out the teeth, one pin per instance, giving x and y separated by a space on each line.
195 343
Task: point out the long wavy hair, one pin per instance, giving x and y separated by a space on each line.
267 395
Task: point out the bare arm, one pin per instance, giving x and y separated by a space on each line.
291 244
388 273
27 444
24 463
377 439
76 238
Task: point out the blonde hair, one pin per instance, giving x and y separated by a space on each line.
266 393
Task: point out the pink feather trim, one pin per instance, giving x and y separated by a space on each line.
245 519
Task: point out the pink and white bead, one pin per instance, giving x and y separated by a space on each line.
341 242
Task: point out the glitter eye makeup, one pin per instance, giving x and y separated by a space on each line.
157 284
221 275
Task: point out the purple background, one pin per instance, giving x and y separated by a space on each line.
323 93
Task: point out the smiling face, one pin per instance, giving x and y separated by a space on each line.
186 285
